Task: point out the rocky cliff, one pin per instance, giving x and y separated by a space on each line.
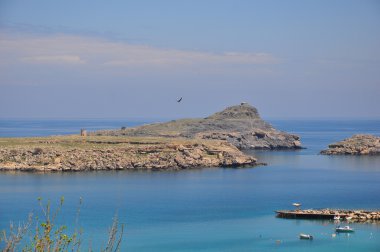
75 153
240 125
355 145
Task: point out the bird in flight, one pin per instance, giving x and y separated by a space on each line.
180 99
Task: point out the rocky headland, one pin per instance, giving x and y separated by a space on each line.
77 153
239 125
355 145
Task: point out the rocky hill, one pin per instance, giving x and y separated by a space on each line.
355 145
75 153
240 125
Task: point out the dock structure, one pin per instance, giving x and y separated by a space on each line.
329 214
304 214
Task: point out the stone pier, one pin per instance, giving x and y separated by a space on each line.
344 214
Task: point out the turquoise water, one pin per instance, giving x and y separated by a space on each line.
217 209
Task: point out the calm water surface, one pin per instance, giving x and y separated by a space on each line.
213 209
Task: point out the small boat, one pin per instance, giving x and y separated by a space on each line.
297 205
345 229
336 217
306 237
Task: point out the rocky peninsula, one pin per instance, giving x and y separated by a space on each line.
355 145
79 153
239 125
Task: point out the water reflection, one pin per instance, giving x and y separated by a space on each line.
361 163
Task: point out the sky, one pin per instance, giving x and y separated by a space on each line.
134 59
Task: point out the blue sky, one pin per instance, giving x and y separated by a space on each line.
130 59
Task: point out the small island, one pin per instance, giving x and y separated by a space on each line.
355 145
240 125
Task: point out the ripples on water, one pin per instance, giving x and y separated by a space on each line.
212 209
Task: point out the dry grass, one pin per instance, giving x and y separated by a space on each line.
95 142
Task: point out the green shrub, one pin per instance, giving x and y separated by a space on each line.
51 237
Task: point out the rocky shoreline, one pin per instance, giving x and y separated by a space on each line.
240 125
75 153
355 145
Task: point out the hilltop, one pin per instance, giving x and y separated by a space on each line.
241 125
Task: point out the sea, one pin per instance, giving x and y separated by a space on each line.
207 209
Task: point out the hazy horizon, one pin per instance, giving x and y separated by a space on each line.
126 59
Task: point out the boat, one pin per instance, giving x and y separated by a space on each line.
336 217
297 205
306 237
345 229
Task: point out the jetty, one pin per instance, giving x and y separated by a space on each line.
344 214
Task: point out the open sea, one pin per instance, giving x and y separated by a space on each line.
210 209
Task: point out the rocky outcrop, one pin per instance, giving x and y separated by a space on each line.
116 153
240 125
355 145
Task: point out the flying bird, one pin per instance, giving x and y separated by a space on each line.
180 99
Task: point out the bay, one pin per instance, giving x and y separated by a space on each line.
210 209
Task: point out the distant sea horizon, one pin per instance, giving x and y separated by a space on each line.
29 127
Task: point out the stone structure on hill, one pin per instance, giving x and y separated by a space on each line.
240 125
355 145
